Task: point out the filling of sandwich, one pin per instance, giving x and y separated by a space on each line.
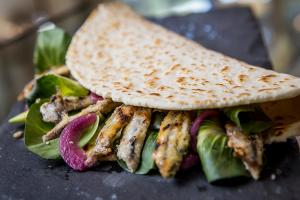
84 129
66 121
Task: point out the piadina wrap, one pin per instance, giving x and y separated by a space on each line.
166 102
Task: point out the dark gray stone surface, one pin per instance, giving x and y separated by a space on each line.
232 31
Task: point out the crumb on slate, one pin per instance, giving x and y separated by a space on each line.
273 177
18 134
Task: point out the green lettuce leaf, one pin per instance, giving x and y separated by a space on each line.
20 118
50 84
216 157
249 119
35 128
50 49
122 164
156 120
147 162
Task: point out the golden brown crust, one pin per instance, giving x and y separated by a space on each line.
111 131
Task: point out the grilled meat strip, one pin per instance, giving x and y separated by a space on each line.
53 110
75 103
110 132
133 137
249 148
58 106
172 142
101 107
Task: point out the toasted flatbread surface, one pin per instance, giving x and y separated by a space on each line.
118 54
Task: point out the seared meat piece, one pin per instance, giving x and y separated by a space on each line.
172 142
110 132
249 148
75 103
133 137
109 157
58 106
101 107
54 110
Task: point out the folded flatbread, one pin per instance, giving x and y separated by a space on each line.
119 55
161 101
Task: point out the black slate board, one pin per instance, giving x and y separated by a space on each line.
234 32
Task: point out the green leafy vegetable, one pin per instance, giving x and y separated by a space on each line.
249 119
157 119
20 118
256 126
90 132
216 157
50 84
35 128
122 164
147 162
50 49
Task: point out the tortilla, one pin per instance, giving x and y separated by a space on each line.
119 55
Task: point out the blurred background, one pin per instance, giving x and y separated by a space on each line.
279 20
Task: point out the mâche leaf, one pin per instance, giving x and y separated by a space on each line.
216 157
122 164
20 118
256 126
35 128
147 162
50 49
50 84
249 119
234 113
90 132
157 119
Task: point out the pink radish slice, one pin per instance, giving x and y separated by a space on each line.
94 97
196 125
70 151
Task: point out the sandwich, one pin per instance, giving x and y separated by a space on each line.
129 91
